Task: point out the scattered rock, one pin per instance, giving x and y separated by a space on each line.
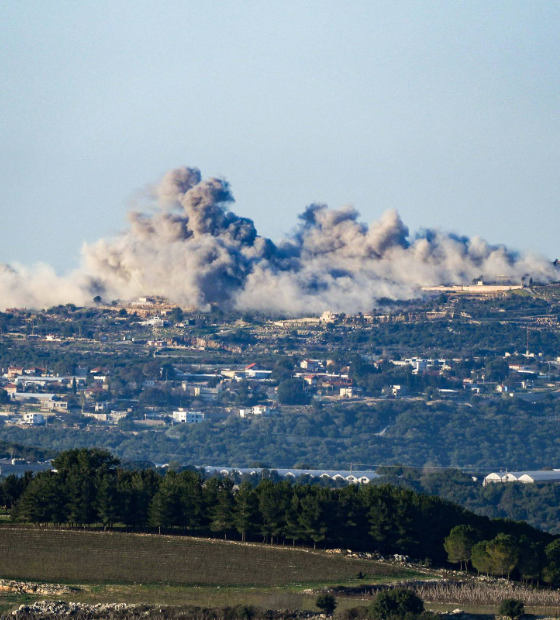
63 608
27 587
55 610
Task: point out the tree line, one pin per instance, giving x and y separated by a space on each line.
444 434
538 504
532 560
89 487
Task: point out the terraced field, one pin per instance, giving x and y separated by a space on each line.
97 557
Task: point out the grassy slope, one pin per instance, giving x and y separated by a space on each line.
87 557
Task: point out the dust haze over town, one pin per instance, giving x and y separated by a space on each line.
191 248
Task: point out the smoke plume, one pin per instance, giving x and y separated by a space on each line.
189 247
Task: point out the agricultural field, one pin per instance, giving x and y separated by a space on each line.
177 571
117 558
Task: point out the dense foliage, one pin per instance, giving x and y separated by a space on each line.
501 433
10 450
537 504
89 487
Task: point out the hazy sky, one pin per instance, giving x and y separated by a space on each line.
447 111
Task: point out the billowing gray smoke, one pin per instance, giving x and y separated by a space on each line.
189 247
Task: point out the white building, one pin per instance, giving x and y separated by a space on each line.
257 410
33 418
363 477
525 477
103 406
188 417
54 405
155 322
310 365
420 365
398 390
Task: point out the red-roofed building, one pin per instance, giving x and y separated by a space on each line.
11 388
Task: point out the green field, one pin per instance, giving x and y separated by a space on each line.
174 570
96 557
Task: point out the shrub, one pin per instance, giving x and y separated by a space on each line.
393 604
512 608
355 613
326 603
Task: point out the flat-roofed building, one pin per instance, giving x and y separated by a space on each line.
188 417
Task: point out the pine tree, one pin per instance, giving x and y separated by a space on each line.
293 529
192 500
43 500
108 500
272 507
246 513
480 557
81 493
459 544
222 513
381 517
165 507
504 553
313 517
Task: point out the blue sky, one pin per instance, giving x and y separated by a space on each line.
447 111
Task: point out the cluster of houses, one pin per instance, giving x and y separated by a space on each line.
319 378
42 394
39 395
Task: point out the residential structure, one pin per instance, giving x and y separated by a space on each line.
188 417
33 418
257 410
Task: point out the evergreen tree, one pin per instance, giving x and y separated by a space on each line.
136 491
165 507
43 500
459 544
352 527
504 554
272 507
108 500
381 517
313 518
246 513
531 559
192 500
551 572
82 500
480 557
292 528
12 489
223 510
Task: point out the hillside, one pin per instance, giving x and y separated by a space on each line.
97 557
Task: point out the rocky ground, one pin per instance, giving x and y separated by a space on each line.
56 610
28 587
